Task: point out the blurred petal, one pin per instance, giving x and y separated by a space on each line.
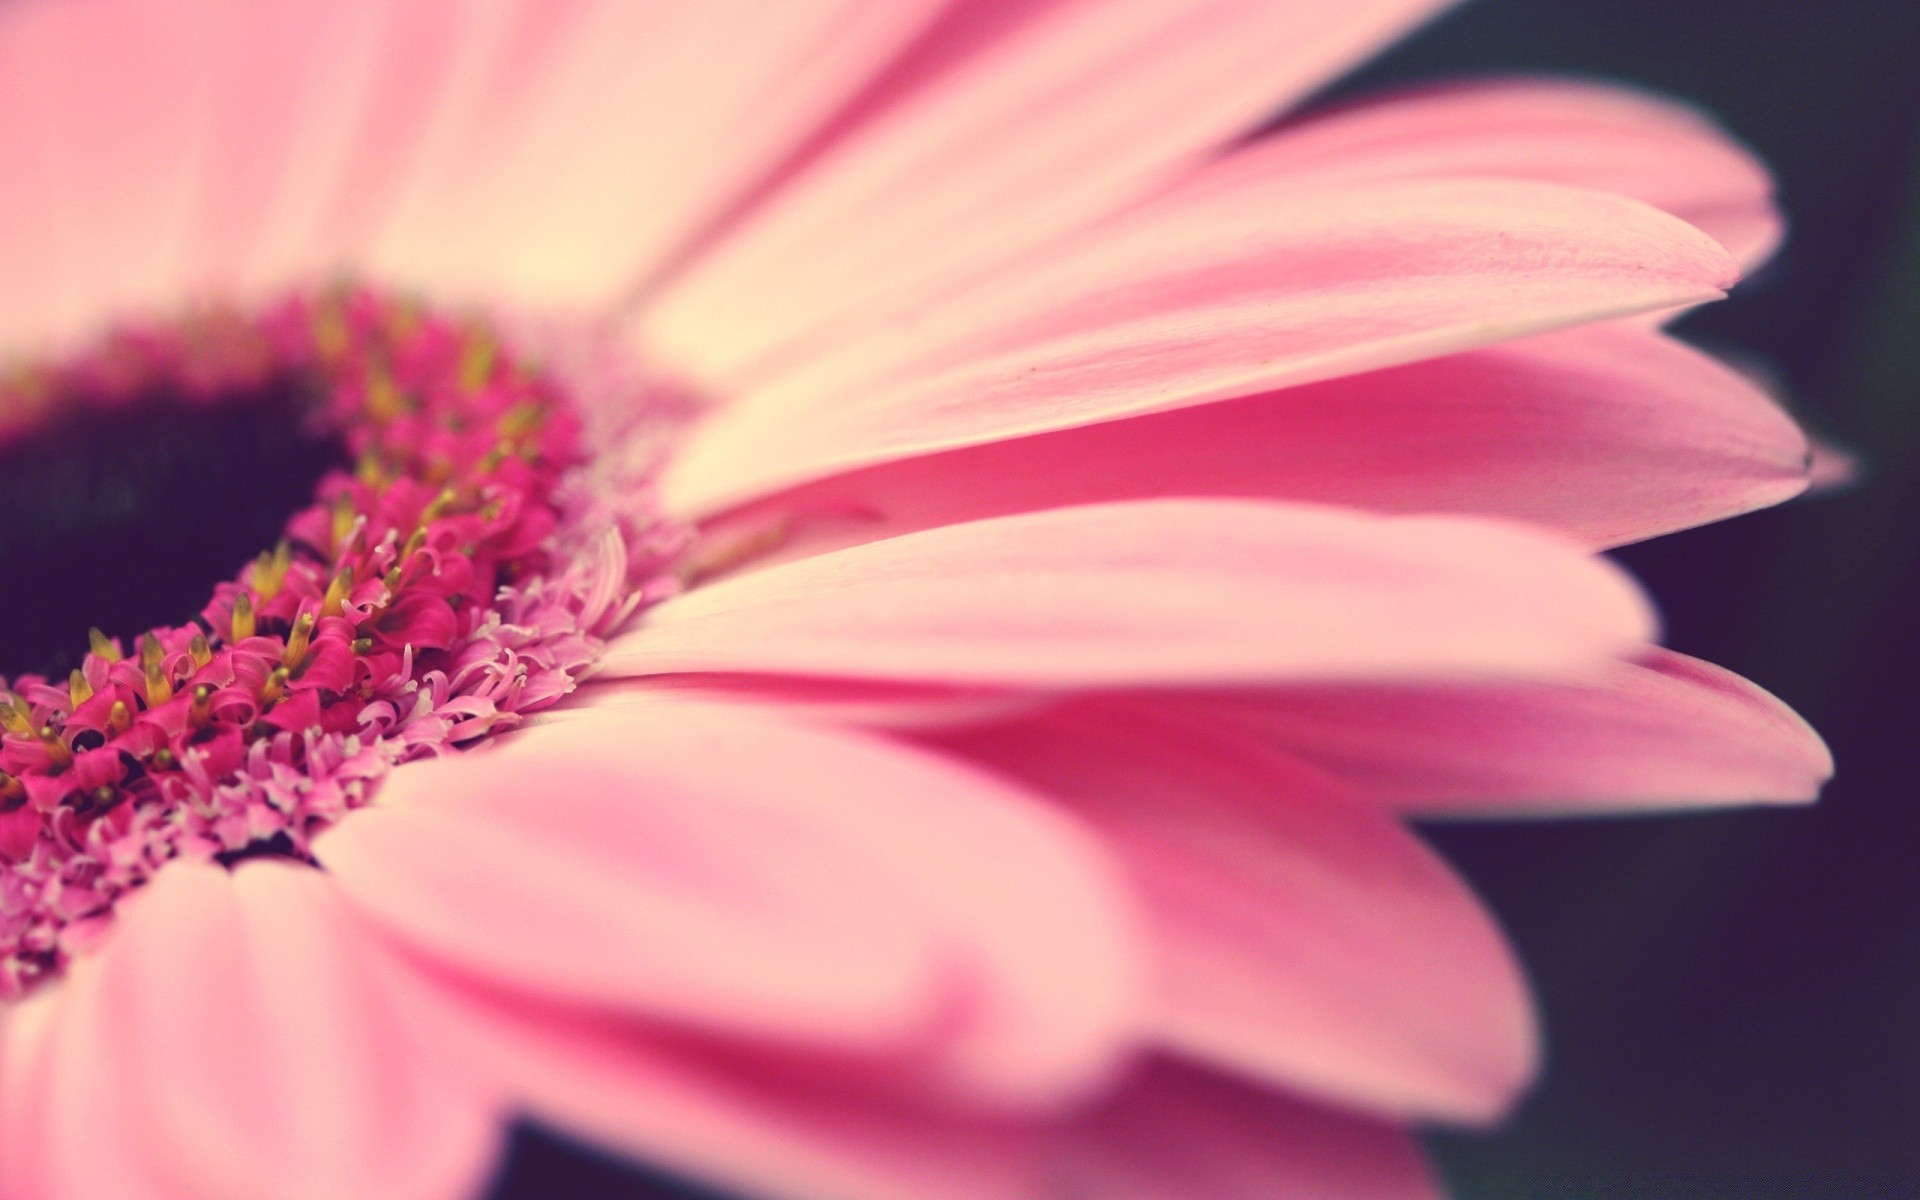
771 1135
596 136
1664 731
261 1051
1163 591
103 110
1013 124
712 865
1188 302
1181 1134
1607 139
1608 434
1304 937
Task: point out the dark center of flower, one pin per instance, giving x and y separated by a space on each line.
438 577
124 516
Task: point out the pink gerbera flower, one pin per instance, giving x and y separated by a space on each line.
971 561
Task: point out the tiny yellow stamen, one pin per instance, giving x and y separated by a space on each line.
202 706
13 793
58 751
15 716
298 641
241 627
270 570
384 399
119 718
102 646
477 360
79 691
344 517
336 598
275 685
202 652
159 687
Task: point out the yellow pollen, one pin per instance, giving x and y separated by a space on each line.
102 646
119 718
335 600
202 706
79 691
202 652
241 626
13 793
15 717
270 570
58 751
477 360
298 641
344 516
384 399
276 684
159 687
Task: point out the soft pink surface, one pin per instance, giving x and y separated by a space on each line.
1186 303
714 866
237 1039
1609 433
1020 123
1081 596
1301 935
1663 731
1036 364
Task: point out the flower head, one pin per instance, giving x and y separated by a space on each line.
875 589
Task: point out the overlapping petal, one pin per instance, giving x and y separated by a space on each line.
721 868
1302 935
1159 591
1011 126
1186 303
1608 434
1662 731
237 1039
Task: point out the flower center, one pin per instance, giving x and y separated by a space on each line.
448 567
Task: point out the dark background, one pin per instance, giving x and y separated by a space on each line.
1732 1000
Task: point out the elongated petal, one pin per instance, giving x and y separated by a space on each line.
1183 1134
766 1133
1304 937
1163 591
1015 123
601 134
1223 296
1608 434
262 1048
711 866
1664 731
102 110
1609 139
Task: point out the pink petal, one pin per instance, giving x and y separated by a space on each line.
1157 591
1665 731
1180 1134
595 136
1304 937
1190 301
263 1049
1608 434
1608 139
102 109
718 867
764 1132
1015 124
66 1132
